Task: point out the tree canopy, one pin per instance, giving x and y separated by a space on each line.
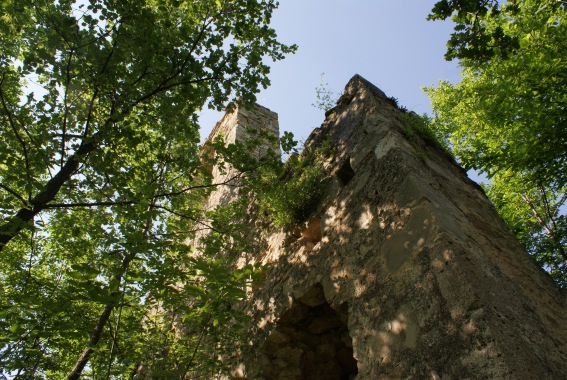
101 181
473 37
507 115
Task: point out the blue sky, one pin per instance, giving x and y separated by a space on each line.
388 42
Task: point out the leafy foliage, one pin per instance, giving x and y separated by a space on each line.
289 199
478 34
101 182
285 192
506 118
288 192
536 214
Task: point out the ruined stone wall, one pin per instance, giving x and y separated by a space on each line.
404 270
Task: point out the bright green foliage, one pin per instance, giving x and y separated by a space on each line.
288 200
285 192
291 191
534 214
101 181
507 118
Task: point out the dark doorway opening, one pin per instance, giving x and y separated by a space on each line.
311 341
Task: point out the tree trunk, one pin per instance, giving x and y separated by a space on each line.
95 337
97 332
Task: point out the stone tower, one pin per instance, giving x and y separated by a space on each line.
234 124
234 127
404 269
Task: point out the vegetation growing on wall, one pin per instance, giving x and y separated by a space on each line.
291 195
287 192
325 99
421 125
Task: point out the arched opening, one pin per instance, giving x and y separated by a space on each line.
311 341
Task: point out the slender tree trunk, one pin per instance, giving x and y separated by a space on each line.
115 296
95 337
97 332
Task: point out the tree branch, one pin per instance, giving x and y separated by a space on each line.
114 298
115 334
66 105
13 226
550 231
89 204
185 216
13 192
132 202
551 216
